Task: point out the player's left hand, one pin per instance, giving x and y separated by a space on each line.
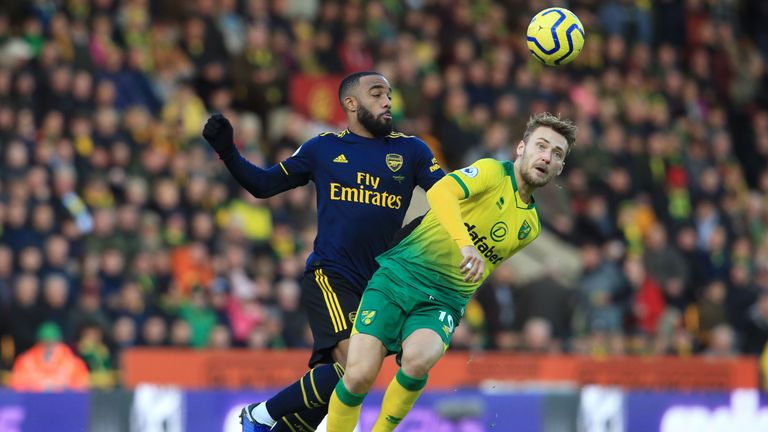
473 264
218 132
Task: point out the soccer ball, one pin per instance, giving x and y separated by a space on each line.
555 36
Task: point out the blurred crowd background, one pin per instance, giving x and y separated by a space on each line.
121 228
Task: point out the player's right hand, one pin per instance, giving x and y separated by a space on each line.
473 264
218 132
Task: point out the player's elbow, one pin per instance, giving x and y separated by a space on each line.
261 193
263 189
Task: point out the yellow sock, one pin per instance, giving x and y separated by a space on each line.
343 409
398 401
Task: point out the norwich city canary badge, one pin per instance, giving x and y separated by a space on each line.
525 229
367 316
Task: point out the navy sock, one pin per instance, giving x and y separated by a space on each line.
311 391
305 421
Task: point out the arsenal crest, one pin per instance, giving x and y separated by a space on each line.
394 161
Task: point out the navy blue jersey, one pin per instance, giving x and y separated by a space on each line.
364 187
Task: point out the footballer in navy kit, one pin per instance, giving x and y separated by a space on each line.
364 176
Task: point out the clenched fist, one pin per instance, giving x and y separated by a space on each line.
218 133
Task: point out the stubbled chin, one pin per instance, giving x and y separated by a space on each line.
537 178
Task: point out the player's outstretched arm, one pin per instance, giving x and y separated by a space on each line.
261 183
443 200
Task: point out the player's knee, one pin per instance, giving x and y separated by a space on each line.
418 363
358 379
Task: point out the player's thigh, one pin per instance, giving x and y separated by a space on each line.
330 303
364 359
380 315
421 350
340 352
429 314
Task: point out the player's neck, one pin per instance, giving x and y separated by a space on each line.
523 188
360 130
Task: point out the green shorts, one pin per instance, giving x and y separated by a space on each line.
392 311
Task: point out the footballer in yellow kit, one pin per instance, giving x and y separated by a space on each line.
420 275
480 216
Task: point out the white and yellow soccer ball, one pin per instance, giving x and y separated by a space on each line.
555 36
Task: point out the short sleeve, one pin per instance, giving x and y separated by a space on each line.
428 169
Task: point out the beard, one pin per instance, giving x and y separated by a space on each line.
377 127
529 178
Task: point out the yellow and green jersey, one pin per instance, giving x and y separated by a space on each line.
499 224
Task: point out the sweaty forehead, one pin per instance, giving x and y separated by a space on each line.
554 138
369 82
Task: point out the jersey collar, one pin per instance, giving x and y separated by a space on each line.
509 168
349 136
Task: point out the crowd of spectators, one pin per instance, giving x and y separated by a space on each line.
120 225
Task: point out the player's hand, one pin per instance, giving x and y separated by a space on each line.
473 264
218 132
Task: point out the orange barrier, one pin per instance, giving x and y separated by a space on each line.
271 369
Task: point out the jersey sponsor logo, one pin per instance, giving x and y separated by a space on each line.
470 172
367 317
499 231
394 161
341 159
482 246
525 229
365 192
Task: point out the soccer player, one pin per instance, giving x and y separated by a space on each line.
480 216
364 177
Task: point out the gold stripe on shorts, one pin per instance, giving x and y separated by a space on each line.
335 298
329 296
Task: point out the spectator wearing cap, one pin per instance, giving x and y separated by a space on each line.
49 365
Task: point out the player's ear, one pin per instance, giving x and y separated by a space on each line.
520 148
350 103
